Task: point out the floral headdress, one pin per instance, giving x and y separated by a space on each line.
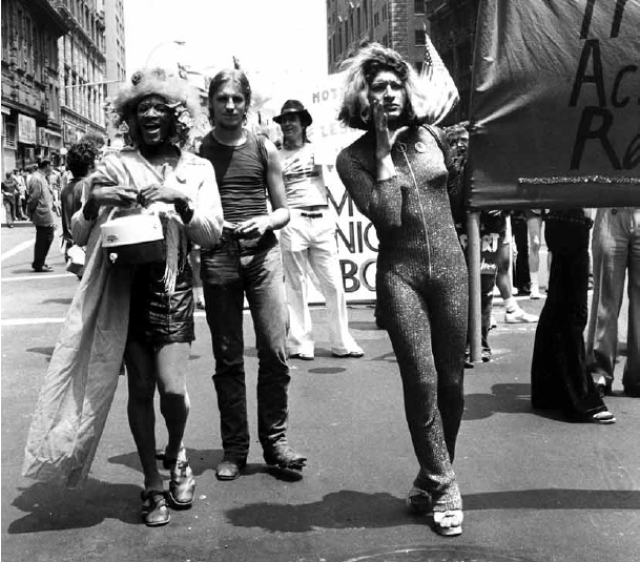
182 98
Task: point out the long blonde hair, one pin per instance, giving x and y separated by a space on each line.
361 69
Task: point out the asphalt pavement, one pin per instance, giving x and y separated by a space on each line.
536 488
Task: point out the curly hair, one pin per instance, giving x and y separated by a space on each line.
81 157
360 70
236 75
178 94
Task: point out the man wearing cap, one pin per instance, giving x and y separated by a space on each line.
309 241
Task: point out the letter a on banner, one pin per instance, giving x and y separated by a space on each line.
555 106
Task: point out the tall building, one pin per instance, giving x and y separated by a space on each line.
82 69
31 113
116 69
399 24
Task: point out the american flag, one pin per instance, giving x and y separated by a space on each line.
443 93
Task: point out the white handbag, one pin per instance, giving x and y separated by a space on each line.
133 236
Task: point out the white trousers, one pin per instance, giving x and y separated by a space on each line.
309 243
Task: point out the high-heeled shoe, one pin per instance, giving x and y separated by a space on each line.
448 523
419 501
604 418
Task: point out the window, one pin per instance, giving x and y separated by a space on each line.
418 7
9 134
420 38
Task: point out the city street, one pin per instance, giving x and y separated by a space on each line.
536 488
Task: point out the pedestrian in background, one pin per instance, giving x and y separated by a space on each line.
42 211
22 187
616 253
141 313
513 312
81 161
308 241
247 262
559 376
9 194
493 226
521 276
397 176
534 218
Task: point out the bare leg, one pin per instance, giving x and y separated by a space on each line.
171 364
534 228
141 379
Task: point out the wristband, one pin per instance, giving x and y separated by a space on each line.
184 207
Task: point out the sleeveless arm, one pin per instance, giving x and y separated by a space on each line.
275 185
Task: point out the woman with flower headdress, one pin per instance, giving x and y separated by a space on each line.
400 176
142 314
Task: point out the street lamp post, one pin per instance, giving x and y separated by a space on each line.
179 42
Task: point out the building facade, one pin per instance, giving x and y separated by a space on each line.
59 58
31 113
116 68
82 69
399 24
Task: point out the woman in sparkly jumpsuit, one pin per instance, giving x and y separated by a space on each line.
397 175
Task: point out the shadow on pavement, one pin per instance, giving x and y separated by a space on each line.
48 351
349 509
200 460
55 508
57 301
504 398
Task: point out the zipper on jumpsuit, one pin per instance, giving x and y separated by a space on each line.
402 148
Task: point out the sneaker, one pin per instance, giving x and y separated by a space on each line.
535 294
519 316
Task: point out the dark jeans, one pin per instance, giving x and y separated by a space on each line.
229 275
559 376
44 238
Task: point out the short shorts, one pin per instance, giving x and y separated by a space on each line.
157 317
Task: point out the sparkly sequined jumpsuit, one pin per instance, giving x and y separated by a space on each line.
422 288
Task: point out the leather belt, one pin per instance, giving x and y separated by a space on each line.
310 215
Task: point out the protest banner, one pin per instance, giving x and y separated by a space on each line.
356 236
555 106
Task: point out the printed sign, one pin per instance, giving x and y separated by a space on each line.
555 109
26 129
356 236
